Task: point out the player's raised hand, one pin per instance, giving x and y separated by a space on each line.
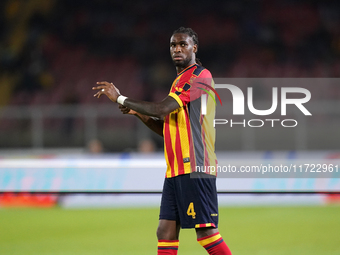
108 89
126 110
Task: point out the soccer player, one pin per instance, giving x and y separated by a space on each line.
189 197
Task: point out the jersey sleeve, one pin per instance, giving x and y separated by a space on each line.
191 85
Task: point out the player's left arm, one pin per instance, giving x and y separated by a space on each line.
159 109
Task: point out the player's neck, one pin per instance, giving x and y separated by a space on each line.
180 69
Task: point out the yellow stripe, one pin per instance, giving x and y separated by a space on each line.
168 169
172 130
184 139
209 240
205 225
210 132
166 244
174 96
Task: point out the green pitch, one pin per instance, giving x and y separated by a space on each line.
251 230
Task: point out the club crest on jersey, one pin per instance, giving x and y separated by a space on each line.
185 88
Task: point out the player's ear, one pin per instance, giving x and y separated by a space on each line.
195 48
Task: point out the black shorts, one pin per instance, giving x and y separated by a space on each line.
191 200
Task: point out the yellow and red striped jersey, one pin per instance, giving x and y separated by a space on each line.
189 136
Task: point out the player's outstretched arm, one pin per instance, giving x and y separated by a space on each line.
154 124
159 110
152 109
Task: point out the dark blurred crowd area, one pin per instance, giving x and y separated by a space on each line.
53 52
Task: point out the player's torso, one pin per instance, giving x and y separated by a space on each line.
187 143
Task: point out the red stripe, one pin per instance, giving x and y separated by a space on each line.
178 148
168 146
167 241
216 164
191 145
206 225
206 157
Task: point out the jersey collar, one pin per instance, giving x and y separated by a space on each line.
191 66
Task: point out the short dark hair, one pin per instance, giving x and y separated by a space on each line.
188 31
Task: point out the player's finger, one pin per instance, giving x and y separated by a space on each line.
98 94
103 83
99 87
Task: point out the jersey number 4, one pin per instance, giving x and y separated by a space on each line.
191 210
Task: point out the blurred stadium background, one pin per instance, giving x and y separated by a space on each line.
55 137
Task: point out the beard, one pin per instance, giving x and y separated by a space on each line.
183 63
